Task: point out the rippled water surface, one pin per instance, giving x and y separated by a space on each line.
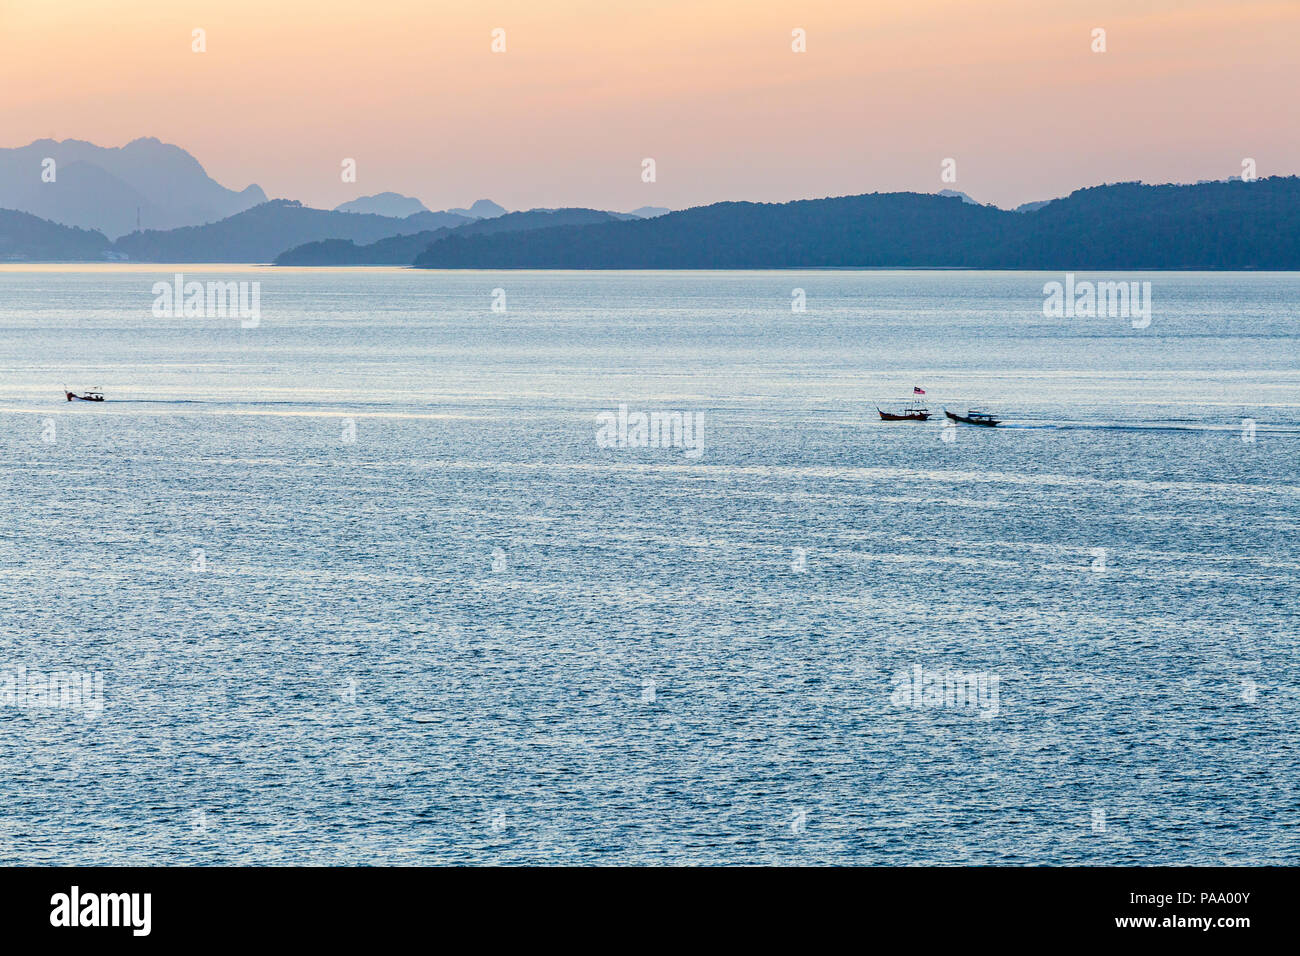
363 587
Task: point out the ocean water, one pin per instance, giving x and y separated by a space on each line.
360 585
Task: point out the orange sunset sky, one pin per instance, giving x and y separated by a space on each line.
708 88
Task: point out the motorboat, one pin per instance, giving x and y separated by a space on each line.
974 416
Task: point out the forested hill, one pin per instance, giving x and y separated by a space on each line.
1216 225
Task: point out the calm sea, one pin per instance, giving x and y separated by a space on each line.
359 583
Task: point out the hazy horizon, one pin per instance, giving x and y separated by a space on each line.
728 111
489 198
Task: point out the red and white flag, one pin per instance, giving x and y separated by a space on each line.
917 390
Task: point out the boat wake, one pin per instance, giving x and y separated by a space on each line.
1181 426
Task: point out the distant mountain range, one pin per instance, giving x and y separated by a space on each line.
157 186
385 204
482 209
282 231
69 200
401 207
106 189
